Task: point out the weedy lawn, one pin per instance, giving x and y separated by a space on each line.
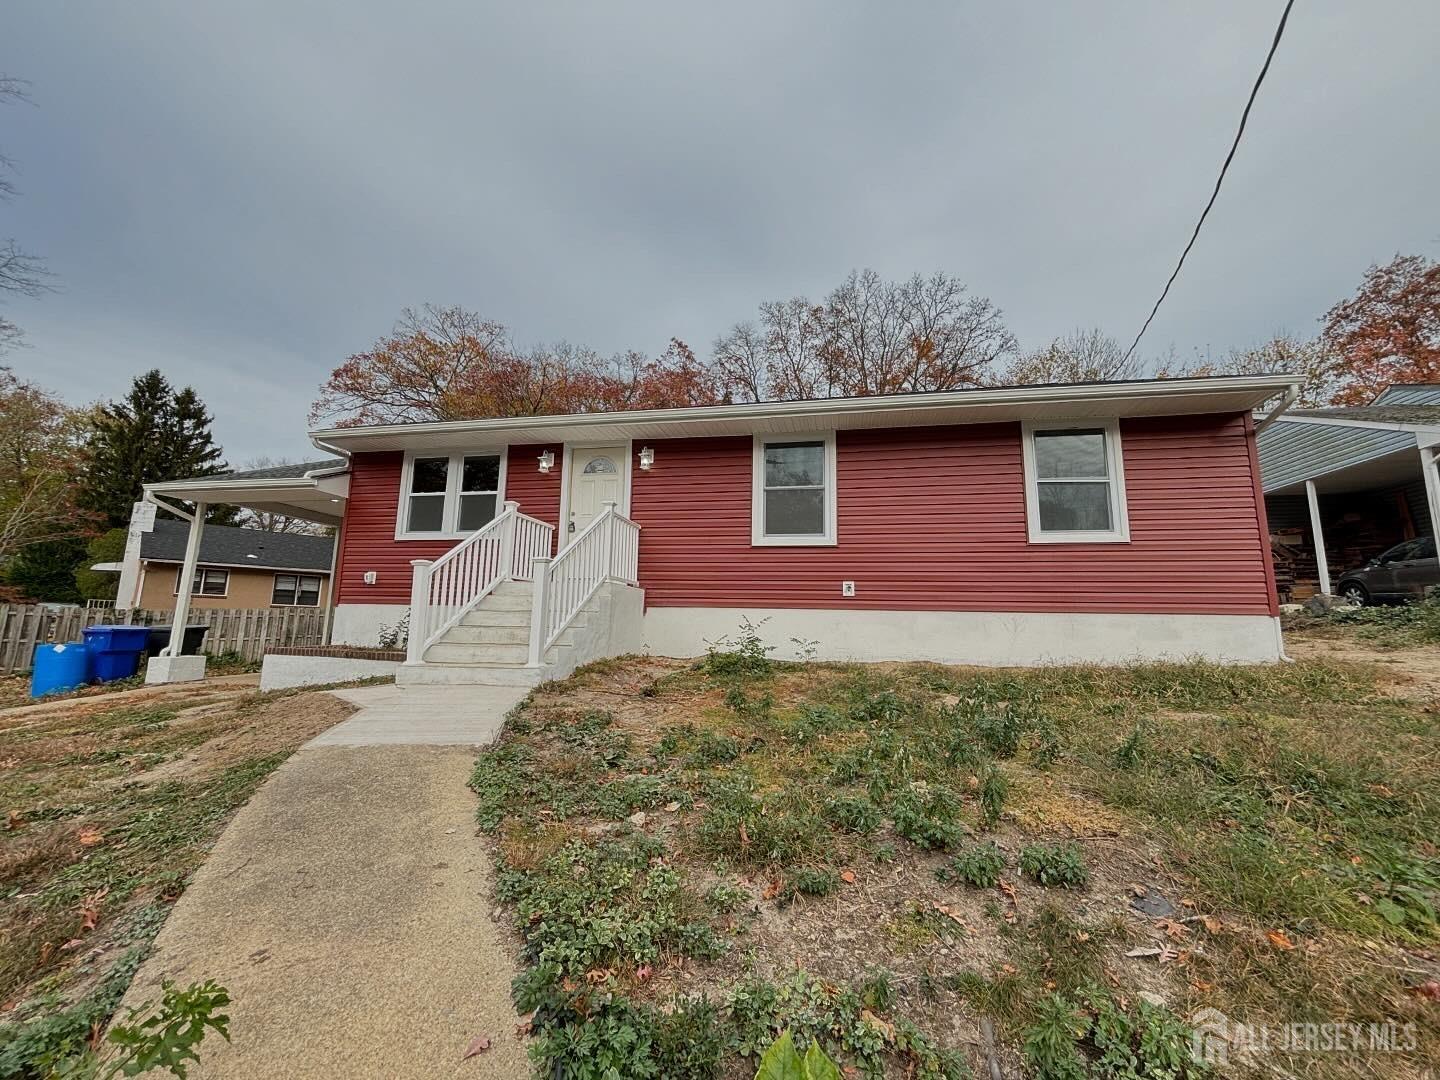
935 869
109 808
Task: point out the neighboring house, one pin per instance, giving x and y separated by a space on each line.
1017 525
1363 479
237 568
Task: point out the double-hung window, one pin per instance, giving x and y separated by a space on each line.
1074 483
793 498
208 581
448 495
296 590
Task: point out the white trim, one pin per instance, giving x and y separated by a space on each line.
993 638
987 404
1382 425
567 454
259 567
1115 464
454 475
319 592
201 569
758 537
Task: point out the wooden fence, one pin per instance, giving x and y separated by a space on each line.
247 631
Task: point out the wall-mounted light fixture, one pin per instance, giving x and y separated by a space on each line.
547 461
647 457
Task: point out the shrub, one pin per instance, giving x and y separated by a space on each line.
854 813
711 748
1086 1034
743 656
993 789
810 881
929 817
979 866
1055 864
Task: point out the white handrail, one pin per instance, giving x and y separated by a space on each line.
608 549
441 592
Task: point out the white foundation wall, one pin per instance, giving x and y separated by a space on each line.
278 672
974 637
359 624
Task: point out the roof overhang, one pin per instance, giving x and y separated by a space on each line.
1073 401
318 497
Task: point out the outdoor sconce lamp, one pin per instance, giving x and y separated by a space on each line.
547 461
647 457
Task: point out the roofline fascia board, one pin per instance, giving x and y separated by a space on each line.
824 408
1382 425
265 567
288 483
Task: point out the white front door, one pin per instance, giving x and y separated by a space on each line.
597 476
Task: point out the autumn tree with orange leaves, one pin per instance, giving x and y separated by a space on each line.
1389 331
446 363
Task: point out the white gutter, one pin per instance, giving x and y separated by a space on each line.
1292 394
1264 386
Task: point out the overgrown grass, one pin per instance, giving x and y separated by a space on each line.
1386 626
1295 806
97 844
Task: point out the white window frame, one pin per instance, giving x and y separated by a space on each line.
450 516
198 580
830 537
1115 467
319 591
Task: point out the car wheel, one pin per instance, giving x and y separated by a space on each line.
1355 593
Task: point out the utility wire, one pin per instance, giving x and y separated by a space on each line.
1244 117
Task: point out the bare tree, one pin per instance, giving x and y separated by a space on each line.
870 336
1079 356
21 273
272 522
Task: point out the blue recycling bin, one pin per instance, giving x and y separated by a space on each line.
58 668
115 650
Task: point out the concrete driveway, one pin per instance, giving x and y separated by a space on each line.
347 907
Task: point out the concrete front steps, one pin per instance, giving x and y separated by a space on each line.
490 646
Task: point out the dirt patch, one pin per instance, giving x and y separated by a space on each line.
1405 672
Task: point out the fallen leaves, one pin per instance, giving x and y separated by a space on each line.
478 1045
847 876
1429 990
89 836
1279 939
90 908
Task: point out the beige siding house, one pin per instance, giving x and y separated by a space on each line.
239 568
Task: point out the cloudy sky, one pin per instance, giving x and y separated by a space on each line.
244 194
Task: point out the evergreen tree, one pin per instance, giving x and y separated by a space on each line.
154 434
46 571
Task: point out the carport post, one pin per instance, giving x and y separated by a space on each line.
186 583
1318 537
1432 487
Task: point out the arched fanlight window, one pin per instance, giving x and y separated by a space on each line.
600 465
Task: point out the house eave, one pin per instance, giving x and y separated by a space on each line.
1170 397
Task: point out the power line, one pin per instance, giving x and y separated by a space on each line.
1244 117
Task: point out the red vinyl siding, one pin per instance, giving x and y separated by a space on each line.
934 519
368 541
929 519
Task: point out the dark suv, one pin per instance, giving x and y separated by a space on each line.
1404 572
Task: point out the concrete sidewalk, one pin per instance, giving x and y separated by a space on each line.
422 716
347 910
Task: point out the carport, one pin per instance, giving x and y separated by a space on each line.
1343 485
313 491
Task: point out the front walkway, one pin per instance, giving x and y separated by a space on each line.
347 907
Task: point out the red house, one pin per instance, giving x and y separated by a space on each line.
1021 525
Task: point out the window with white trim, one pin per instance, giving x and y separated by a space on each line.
296 590
793 498
1074 483
208 581
448 495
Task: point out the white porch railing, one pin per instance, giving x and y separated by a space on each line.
608 549
443 590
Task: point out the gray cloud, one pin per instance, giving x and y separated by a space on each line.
245 196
